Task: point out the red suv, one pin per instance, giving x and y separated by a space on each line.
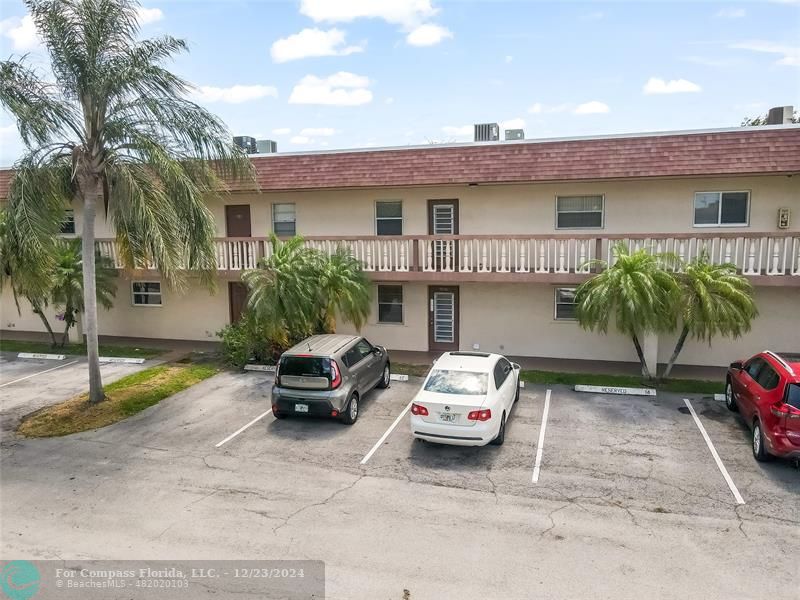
766 391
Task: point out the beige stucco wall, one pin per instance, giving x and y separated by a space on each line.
644 206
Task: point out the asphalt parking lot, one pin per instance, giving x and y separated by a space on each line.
627 500
28 384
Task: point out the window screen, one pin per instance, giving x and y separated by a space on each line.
390 304
389 218
284 220
146 293
68 224
565 304
579 212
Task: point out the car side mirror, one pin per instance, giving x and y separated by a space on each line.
376 350
516 366
738 365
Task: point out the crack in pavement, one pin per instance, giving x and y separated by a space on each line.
315 504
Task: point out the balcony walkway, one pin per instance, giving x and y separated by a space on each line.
768 258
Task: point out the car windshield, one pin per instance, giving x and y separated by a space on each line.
457 382
305 366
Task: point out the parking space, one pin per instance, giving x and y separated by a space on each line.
28 384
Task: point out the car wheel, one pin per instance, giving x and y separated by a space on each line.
759 446
387 377
730 401
516 394
501 435
279 415
350 414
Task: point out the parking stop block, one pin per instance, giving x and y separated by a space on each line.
627 391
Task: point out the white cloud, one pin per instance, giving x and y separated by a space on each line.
459 131
399 12
281 131
312 42
535 108
539 108
656 85
22 33
731 13
299 139
148 15
428 34
318 131
339 89
235 94
517 123
592 108
791 54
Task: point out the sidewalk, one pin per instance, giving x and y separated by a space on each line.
567 365
175 349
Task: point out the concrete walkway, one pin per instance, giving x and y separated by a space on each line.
177 349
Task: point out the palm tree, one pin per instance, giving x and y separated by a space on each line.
283 290
636 290
715 300
27 278
68 282
114 132
343 288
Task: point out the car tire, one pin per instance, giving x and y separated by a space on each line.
516 394
758 444
350 414
279 415
501 435
730 401
385 378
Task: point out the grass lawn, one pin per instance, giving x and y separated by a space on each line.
126 397
78 349
681 386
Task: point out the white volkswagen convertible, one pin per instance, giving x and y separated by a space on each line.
466 399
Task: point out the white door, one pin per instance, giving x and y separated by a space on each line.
443 323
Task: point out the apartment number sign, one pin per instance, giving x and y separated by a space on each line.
783 217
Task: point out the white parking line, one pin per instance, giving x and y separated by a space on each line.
722 469
540 446
385 435
241 429
39 373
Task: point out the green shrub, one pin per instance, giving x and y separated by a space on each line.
246 342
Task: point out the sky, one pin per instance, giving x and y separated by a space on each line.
329 74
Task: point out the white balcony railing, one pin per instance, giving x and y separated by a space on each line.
764 254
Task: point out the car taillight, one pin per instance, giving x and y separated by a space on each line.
781 409
336 375
418 409
480 415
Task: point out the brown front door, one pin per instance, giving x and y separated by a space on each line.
237 220
237 297
443 318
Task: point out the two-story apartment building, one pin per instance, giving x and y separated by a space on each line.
481 245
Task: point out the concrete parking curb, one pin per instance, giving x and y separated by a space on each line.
602 389
41 355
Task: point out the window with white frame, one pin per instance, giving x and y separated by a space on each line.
565 304
720 209
579 212
389 217
390 304
68 224
284 220
146 293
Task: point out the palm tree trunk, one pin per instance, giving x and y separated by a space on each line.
38 310
96 393
676 352
642 360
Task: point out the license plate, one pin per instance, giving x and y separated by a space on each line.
301 408
448 417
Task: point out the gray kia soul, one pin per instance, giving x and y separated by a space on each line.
327 375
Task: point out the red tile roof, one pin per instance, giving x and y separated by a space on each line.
746 151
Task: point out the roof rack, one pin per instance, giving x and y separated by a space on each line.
780 360
479 354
